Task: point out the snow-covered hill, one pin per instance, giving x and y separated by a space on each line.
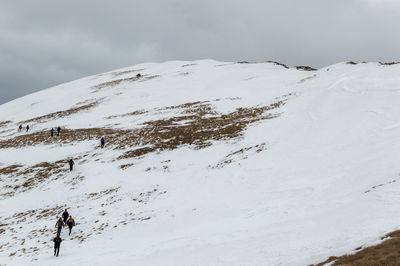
206 163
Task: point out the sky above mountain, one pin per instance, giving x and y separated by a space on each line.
50 42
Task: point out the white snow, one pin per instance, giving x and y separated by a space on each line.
327 181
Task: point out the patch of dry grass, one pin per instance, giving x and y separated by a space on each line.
186 65
387 253
114 83
117 82
5 123
137 112
388 63
196 129
11 169
241 154
21 179
277 63
197 124
66 136
305 68
61 114
120 73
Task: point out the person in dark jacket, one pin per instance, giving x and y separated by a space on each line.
52 132
102 142
58 131
27 128
57 241
65 216
59 225
71 164
70 223
20 128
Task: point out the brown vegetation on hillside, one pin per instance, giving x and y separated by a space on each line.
239 154
4 123
18 178
61 114
305 68
197 124
116 82
387 253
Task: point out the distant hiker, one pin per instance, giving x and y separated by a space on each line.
20 128
27 128
138 75
102 142
59 225
58 131
71 164
65 216
52 132
70 223
57 241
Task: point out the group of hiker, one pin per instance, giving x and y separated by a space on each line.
20 128
53 130
64 220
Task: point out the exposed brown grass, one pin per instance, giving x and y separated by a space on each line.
277 63
100 194
125 166
188 65
61 114
66 136
137 112
120 73
305 68
5 123
114 83
21 179
10 169
196 129
197 124
387 253
388 63
239 154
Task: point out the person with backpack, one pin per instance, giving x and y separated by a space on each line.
52 132
65 216
102 142
71 164
70 223
59 225
58 131
57 241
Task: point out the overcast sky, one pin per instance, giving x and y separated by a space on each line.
47 42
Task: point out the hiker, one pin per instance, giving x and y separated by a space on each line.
138 75
58 131
52 132
102 142
20 128
57 241
70 223
65 216
71 164
27 128
59 225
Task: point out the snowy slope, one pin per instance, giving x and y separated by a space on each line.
206 163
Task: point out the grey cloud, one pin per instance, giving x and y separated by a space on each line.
46 42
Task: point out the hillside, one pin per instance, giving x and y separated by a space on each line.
205 163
